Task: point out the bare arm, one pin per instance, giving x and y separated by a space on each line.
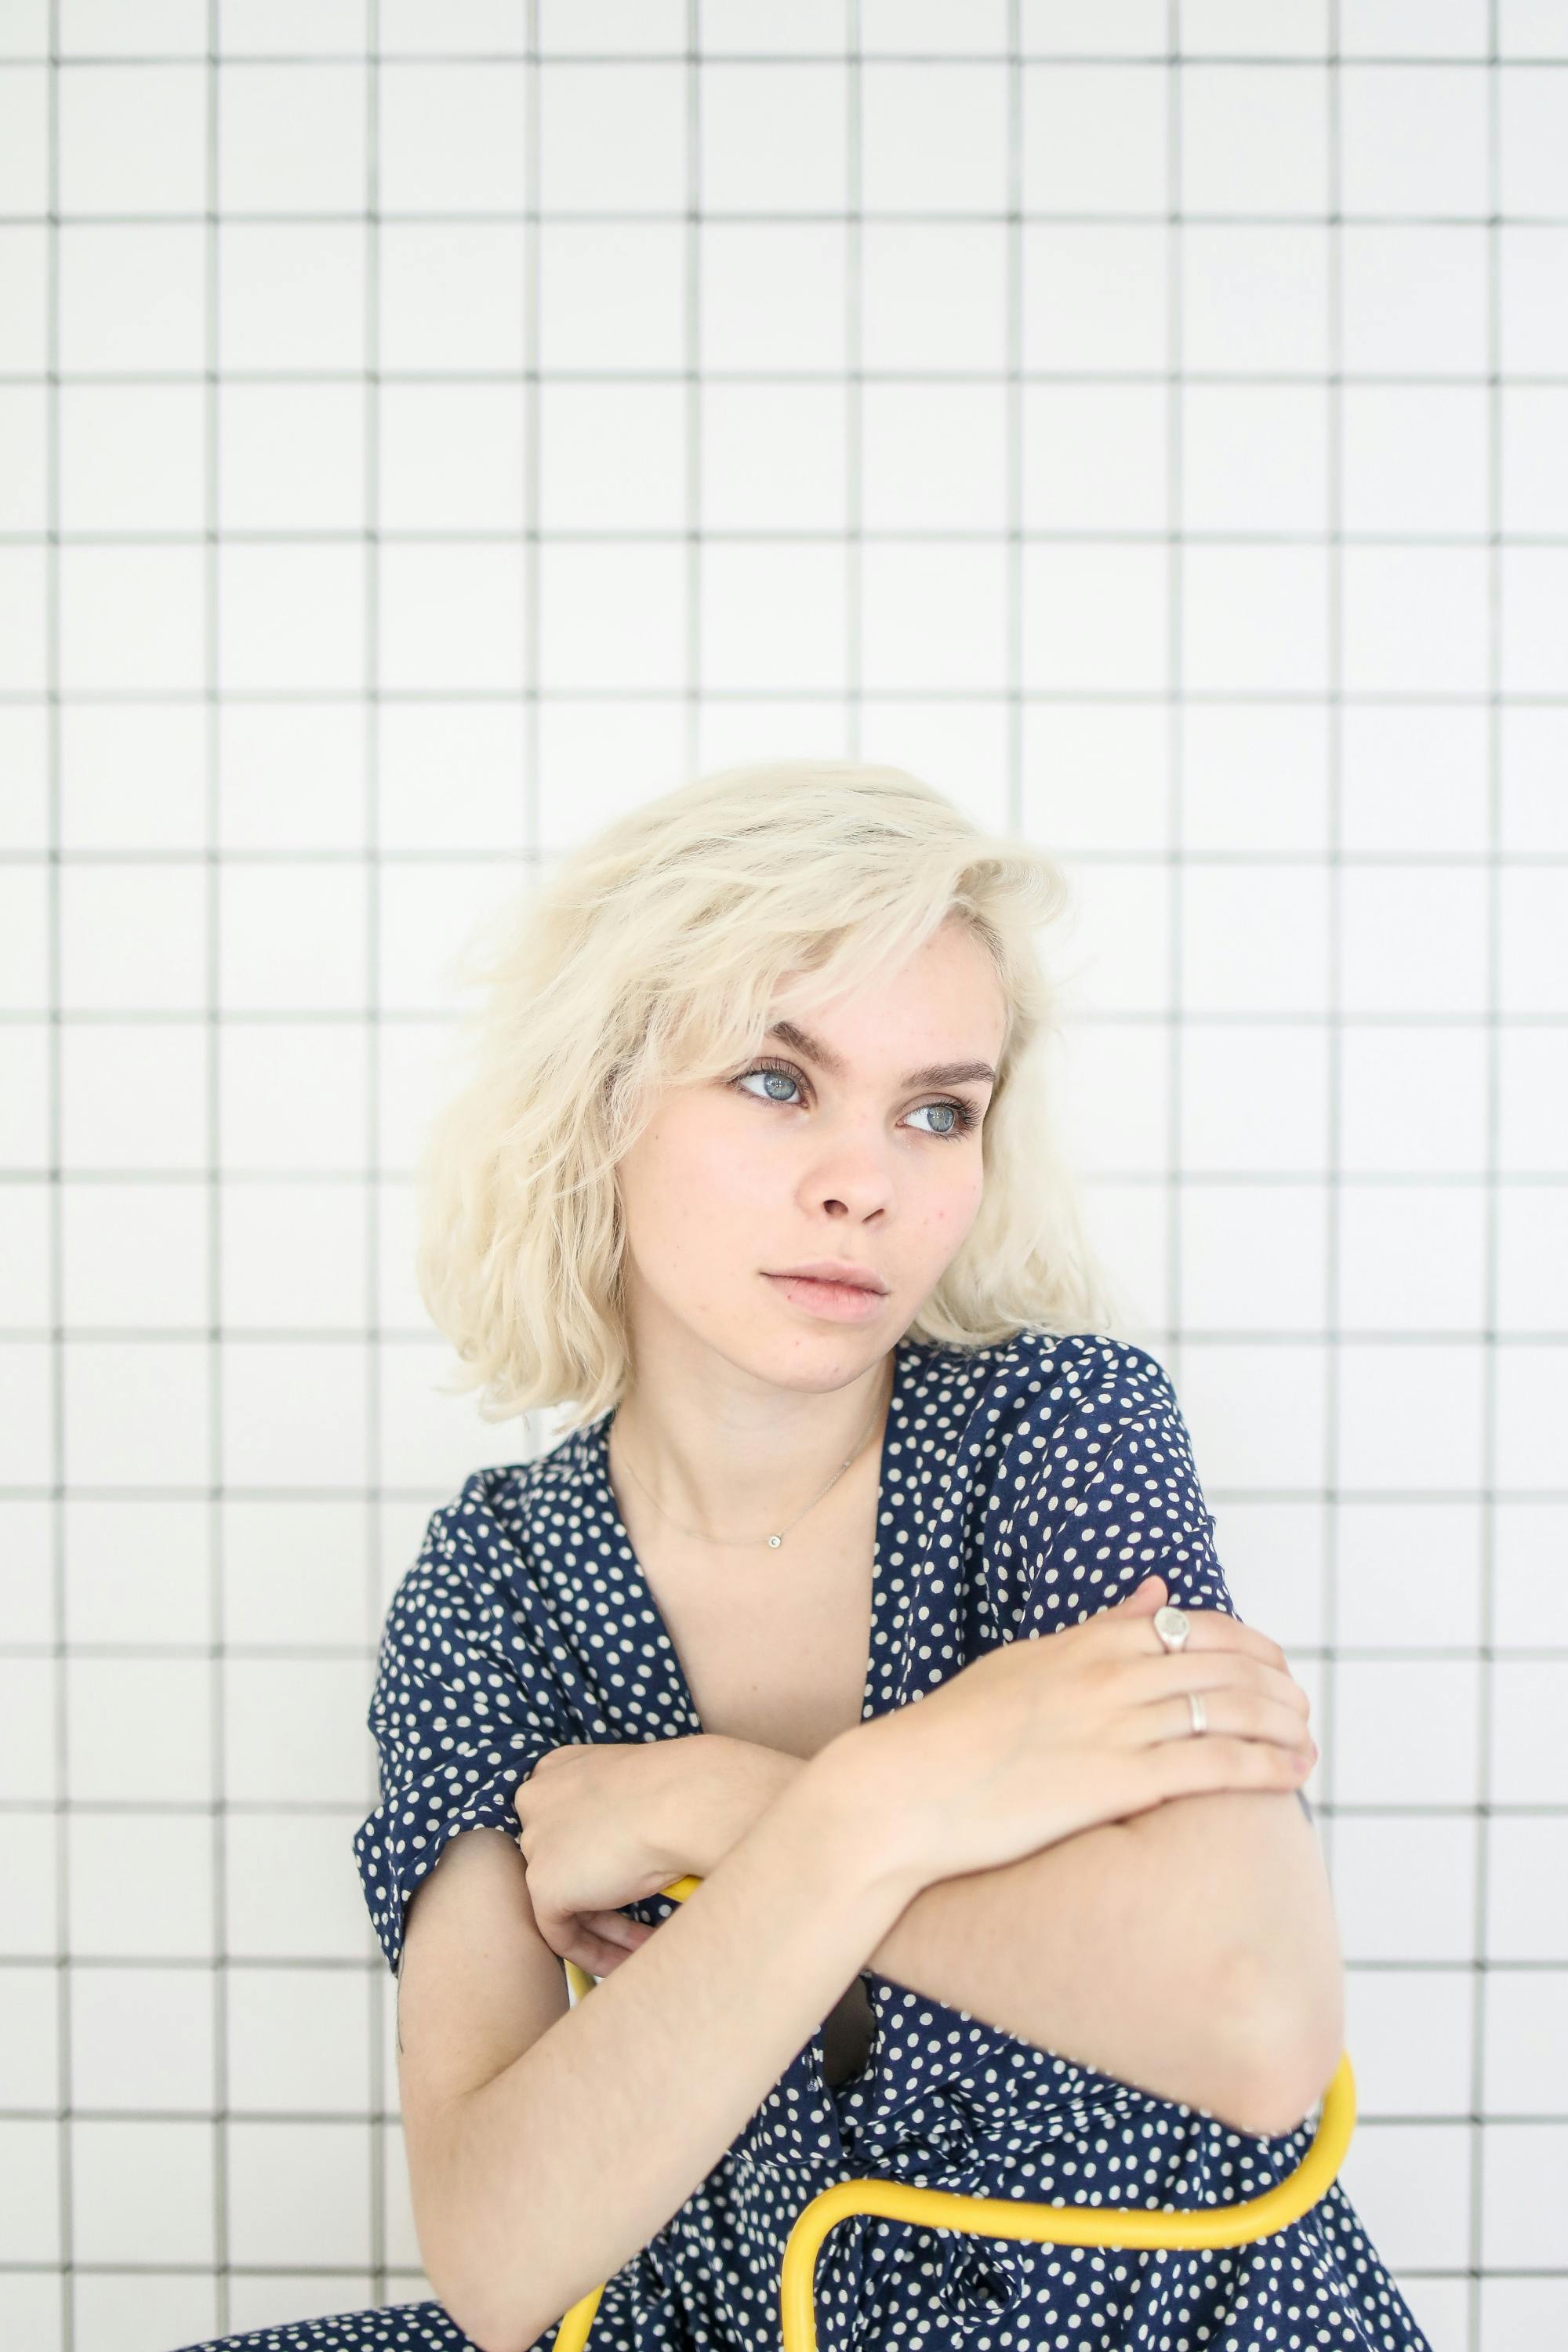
1210 1915
563 2166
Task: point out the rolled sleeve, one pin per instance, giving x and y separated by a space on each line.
463 1706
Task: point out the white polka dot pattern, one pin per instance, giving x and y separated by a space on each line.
1024 1486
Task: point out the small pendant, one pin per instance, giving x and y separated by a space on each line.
773 1542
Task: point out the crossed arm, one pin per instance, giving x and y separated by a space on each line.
1191 1949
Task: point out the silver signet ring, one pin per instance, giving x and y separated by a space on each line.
1172 1627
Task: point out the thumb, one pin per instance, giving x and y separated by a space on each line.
1151 1594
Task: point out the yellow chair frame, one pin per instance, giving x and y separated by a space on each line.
1003 2217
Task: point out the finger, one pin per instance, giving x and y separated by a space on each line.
614 1928
1149 1680
1207 1629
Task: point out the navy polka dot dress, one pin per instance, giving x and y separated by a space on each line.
1024 1486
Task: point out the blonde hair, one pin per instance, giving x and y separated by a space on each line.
660 950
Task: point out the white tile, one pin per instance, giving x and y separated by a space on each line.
775 295
1534 620
293 295
1410 1414
132 618
960 27
293 136
135 2311
293 1891
1526 1892
24 1090
1523 2170
1377 1543
1095 137
294 1414
450 456
141 1885
133 457
1516 2314
25 28
1244 1108
1094 295
28 1771
1534 469
931 616
1255 138
1292 28
1254 1412
1255 939
298 2192
1534 752
299 2040
1412 1258
141 2192
131 297
1409 2033
28 1594
1096 775
1254 1258
1253 619
454 137
1404 1885
134 1255
1095 618
1413 939
290 457
1412 1097
934 136
1409 2185
133 775
429 1437
291 938
137 1573
292 1095
294 1570
406 26
450 617
291 777
133 139
428 913
30 2037
23 593
1531 1410
290 615
299 28
23 297
1405 1731
132 938
1532 273
1061 26
1414 299
29 2189
1530 1592
1531 1274
1533 921
450 297
1529 1764
1414 139
1253 298
929 289
1093 458
1415 459
139 1728
294 1256
1415 620
1272 1554
26 1258
28 1425
27 1885
1532 28
1121 936
154 28
611 457
141 2038
614 297
1117 1094
933 458
1415 29
612 138
133 1095
772 617
1526 2070
451 775
135 1411
23 479
294 1731
24 818
1254 456
1414 777
1533 141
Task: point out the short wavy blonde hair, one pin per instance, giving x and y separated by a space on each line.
660 951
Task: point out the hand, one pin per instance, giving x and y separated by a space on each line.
1054 1734
592 1817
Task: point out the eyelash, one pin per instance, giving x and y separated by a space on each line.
968 1117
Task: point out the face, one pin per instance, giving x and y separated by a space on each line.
858 1157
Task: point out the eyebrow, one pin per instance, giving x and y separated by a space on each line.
934 1073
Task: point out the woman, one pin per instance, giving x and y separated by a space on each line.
1029 1937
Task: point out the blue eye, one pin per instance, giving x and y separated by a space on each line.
963 1114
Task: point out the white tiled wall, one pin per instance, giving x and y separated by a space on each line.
424 429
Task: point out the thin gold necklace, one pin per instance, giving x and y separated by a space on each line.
735 1542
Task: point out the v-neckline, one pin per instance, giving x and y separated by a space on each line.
599 1460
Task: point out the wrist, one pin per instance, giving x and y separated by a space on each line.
727 1785
853 1786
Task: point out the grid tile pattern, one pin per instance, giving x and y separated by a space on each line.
421 428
